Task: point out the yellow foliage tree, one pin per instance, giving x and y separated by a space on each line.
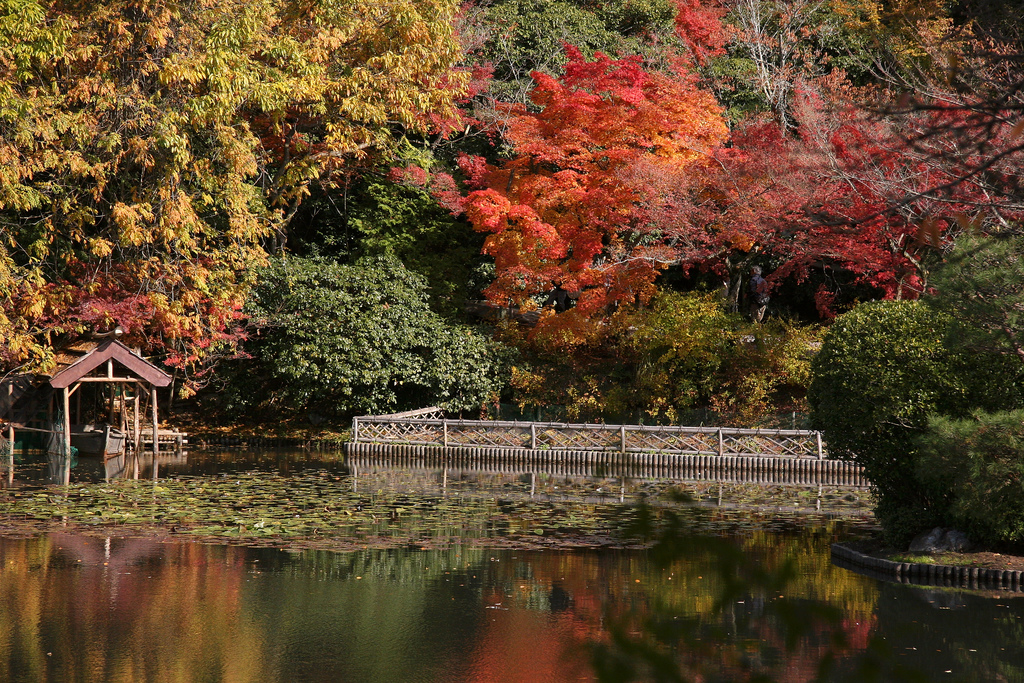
151 150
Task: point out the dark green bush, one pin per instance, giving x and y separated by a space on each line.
981 285
347 339
980 460
881 371
981 288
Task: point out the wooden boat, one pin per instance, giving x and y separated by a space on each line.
101 439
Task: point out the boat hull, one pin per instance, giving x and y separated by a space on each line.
102 440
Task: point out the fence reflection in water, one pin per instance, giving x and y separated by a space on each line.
738 469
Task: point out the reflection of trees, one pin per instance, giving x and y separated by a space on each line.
975 636
680 603
191 612
380 614
139 610
713 609
151 612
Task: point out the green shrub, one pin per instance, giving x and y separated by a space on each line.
766 371
669 354
980 459
881 371
343 339
981 285
981 288
679 355
690 352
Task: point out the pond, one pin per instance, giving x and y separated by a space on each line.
460 586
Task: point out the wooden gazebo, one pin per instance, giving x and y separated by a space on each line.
109 362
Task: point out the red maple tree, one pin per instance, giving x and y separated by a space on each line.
568 209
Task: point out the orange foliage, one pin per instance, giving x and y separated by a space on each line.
566 210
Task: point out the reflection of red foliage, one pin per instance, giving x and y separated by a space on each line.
524 646
529 645
858 632
134 577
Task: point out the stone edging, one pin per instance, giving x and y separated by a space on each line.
921 574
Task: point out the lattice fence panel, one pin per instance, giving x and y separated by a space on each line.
672 441
415 428
478 434
401 431
802 446
580 438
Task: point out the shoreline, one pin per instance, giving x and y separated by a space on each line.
972 571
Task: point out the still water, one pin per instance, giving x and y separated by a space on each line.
88 607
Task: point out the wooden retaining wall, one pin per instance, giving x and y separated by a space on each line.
747 469
921 574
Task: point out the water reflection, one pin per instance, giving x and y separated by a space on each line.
58 469
443 482
95 609
89 608
37 468
286 461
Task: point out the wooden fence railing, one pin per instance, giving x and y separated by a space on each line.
429 427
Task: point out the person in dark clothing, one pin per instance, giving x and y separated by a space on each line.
559 298
758 298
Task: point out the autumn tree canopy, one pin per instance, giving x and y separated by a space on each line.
153 153
566 211
150 150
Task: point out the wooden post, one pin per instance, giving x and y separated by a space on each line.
721 443
821 452
355 430
10 426
533 436
156 427
622 439
444 426
66 427
124 407
10 453
136 426
10 434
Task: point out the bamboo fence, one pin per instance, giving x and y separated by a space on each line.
429 427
